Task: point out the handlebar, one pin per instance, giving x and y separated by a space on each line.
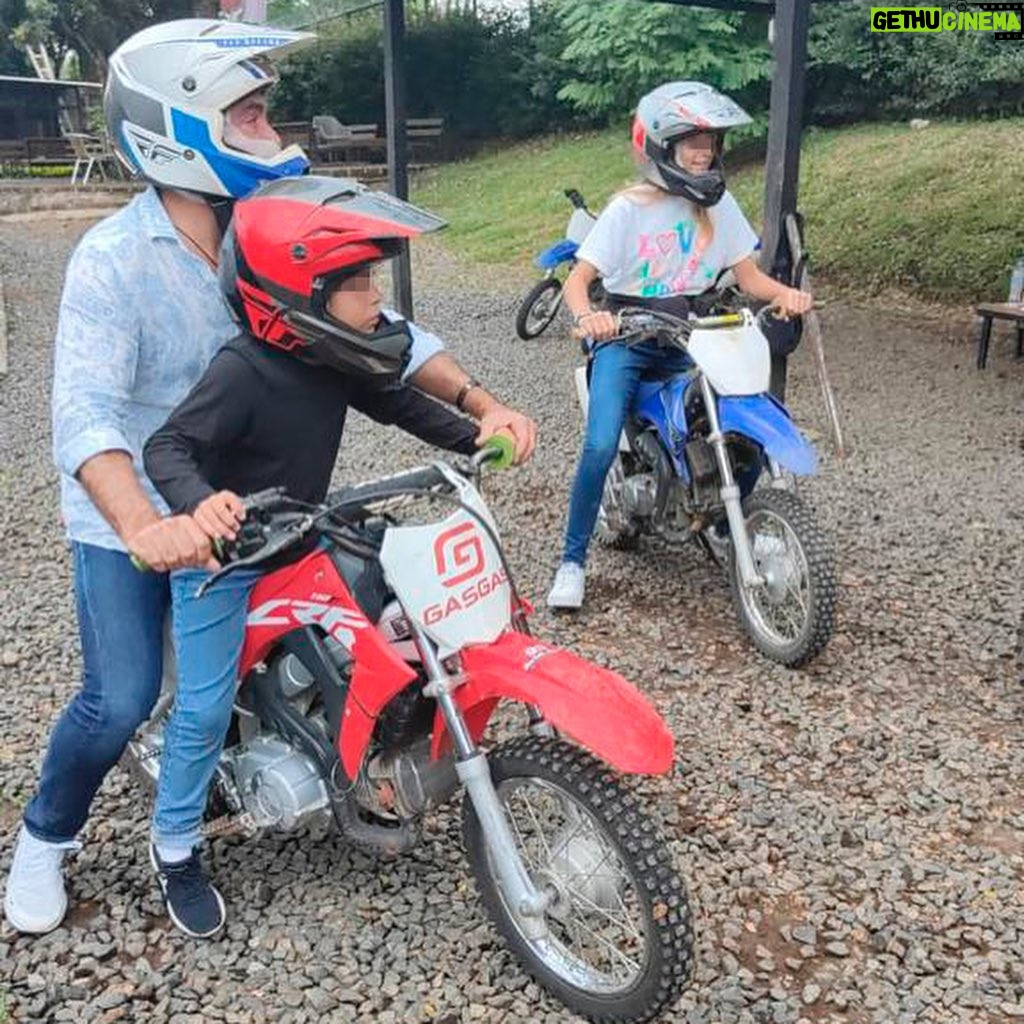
574 197
274 522
640 323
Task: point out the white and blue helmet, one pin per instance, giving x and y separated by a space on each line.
167 90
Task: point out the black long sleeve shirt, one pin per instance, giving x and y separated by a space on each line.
261 418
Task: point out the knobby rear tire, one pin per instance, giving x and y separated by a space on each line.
528 323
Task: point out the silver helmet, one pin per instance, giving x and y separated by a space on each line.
668 114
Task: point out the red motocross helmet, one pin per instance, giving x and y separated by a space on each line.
292 240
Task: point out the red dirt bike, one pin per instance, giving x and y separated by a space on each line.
371 668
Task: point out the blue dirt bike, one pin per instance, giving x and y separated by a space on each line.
544 299
694 448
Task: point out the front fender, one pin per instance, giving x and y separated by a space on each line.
764 419
592 705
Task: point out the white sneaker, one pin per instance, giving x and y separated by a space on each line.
35 901
567 590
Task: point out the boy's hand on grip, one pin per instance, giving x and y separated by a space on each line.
220 514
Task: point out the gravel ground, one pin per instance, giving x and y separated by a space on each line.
851 833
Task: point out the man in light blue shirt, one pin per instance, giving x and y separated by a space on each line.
141 317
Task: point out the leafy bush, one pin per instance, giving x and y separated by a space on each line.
570 64
507 77
855 74
25 170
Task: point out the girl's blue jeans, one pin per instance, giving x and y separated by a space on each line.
614 377
208 636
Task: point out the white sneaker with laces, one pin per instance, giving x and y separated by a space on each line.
567 589
35 901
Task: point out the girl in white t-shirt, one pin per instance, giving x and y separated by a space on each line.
660 243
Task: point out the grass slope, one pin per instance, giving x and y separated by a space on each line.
938 212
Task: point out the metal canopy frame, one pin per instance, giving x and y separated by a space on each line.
782 165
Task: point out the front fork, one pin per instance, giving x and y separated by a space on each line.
528 902
553 273
730 491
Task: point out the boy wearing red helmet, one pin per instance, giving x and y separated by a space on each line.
296 266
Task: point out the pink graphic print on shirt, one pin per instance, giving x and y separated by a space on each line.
657 276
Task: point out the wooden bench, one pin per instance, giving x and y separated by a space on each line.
424 132
364 138
989 311
44 149
295 133
13 151
330 138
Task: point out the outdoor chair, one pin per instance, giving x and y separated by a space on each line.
331 138
90 151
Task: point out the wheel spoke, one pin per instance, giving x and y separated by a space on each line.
782 620
599 931
584 902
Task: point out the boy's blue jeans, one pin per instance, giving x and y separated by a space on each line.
120 623
614 377
208 636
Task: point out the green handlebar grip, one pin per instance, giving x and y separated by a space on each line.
504 445
139 563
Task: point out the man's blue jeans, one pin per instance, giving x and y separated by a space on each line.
208 636
614 377
120 622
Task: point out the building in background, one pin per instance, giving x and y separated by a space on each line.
43 108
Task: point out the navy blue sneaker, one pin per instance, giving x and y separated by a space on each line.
194 905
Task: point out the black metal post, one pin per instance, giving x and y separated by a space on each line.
398 156
782 165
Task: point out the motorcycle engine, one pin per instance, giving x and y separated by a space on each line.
700 460
394 627
279 786
405 783
640 490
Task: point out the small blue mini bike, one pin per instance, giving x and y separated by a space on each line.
544 299
695 445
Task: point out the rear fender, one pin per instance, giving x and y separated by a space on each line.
764 419
592 705
557 254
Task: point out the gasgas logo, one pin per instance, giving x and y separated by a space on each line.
458 554
458 559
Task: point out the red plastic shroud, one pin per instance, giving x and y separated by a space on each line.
594 706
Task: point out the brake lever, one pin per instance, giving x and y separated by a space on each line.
260 500
288 536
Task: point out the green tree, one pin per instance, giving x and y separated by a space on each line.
620 49
12 56
856 74
92 29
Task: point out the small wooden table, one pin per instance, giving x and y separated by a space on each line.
989 311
